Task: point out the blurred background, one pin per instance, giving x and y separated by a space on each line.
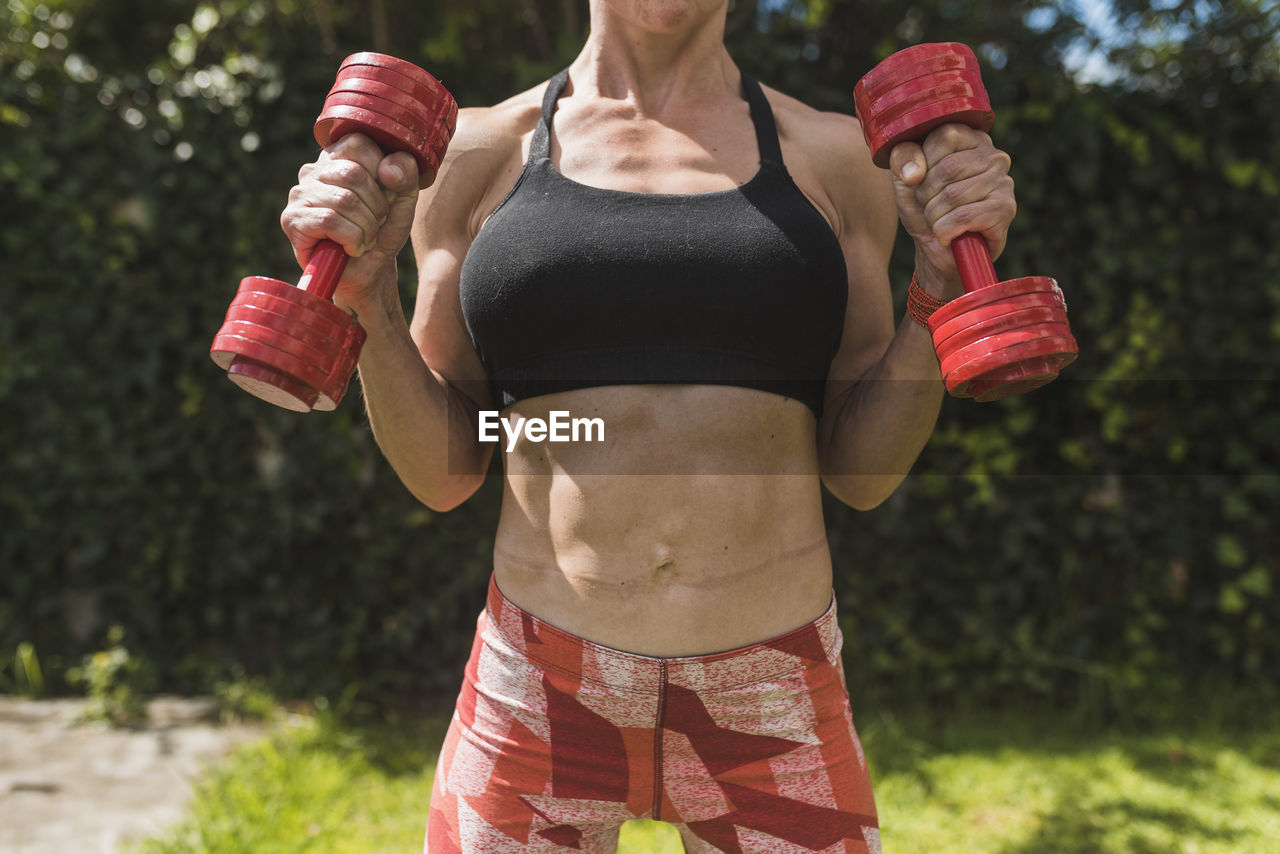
1101 545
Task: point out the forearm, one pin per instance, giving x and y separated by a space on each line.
870 437
425 427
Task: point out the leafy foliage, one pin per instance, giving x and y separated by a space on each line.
1106 539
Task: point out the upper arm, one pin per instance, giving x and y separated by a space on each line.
449 214
860 196
828 158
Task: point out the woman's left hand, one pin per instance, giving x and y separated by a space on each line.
957 181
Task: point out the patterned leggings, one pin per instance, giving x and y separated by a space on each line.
556 741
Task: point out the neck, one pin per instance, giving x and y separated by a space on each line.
653 66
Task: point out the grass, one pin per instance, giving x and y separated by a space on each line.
1006 784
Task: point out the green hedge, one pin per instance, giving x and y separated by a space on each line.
1103 541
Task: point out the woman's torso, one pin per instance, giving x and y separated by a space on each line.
696 525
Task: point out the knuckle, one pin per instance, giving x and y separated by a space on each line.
345 200
948 170
953 134
1003 195
361 143
357 148
346 172
963 217
950 196
328 219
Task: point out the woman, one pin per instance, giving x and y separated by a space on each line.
653 240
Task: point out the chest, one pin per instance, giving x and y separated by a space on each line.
616 148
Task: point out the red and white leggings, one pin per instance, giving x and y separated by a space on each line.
556 741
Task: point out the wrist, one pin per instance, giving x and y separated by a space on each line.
920 304
373 300
938 282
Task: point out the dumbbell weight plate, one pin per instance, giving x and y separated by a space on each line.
344 368
403 114
1058 352
425 119
959 357
429 97
273 385
993 293
266 306
272 375
281 297
1014 379
427 116
907 74
338 120
289 300
393 64
1013 321
285 366
292 355
984 313
287 377
917 61
425 88
926 92
318 338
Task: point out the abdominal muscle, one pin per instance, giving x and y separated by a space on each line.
696 525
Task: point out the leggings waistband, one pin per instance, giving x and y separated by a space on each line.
815 644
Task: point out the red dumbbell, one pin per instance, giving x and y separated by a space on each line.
1001 338
292 346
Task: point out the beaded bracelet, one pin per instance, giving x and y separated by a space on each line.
920 305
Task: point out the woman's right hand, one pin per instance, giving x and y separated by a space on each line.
363 200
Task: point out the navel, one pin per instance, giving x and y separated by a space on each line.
664 571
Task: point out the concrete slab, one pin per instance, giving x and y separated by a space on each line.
86 789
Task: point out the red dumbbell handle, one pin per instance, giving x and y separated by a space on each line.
974 261
323 272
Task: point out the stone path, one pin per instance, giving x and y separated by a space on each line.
68 789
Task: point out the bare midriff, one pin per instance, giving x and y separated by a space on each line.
696 526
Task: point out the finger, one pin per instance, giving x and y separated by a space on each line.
907 163
398 173
307 224
359 148
958 167
950 138
355 215
351 187
989 217
958 193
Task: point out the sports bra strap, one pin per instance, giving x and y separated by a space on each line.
540 147
761 118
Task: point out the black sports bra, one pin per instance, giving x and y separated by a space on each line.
569 286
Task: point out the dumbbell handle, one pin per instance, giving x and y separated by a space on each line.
323 272
974 261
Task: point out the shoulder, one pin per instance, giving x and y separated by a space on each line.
496 130
487 151
801 122
826 151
